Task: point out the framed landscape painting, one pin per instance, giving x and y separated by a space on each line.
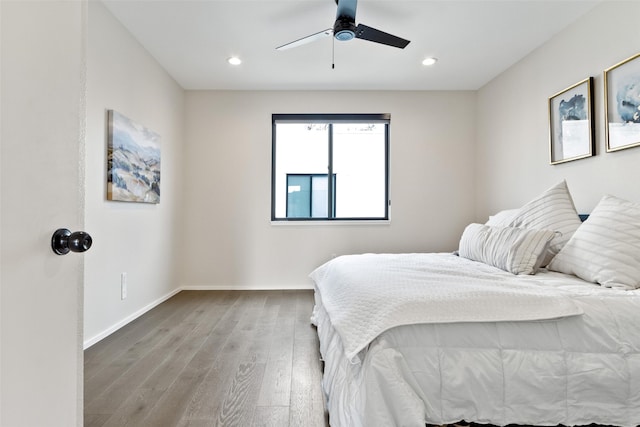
571 125
133 161
622 104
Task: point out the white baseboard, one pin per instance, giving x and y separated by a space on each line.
102 335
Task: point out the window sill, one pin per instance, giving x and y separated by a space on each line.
332 222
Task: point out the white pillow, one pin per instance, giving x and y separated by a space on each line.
606 248
516 250
501 218
551 210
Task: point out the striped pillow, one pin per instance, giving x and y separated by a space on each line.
552 210
606 248
502 218
516 250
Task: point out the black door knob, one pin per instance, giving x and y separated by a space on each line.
64 241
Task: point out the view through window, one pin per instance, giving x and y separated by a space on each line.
328 167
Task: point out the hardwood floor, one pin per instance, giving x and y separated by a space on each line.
210 358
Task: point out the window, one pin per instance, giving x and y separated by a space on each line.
330 167
307 195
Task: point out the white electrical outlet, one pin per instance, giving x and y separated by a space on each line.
123 285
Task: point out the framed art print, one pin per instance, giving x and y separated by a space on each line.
571 125
622 104
133 161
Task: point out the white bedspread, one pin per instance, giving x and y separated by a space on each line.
573 370
365 295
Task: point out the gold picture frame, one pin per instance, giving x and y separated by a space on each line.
571 125
622 104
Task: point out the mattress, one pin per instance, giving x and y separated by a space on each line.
572 370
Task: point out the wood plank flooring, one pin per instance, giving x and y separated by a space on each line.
210 358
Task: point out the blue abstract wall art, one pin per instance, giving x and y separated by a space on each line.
133 161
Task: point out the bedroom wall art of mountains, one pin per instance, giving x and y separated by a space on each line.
133 161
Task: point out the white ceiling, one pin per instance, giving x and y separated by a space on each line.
474 41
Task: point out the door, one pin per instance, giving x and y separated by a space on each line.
42 186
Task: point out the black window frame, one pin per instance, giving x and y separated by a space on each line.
330 119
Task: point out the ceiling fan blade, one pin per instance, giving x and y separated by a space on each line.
347 8
371 34
308 39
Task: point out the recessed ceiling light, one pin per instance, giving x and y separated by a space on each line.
429 61
234 60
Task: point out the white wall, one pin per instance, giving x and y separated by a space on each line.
513 142
139 239
229 239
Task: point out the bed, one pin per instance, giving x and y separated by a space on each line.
535 320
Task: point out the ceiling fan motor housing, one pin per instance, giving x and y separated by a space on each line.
344 28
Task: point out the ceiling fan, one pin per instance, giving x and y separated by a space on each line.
345 29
